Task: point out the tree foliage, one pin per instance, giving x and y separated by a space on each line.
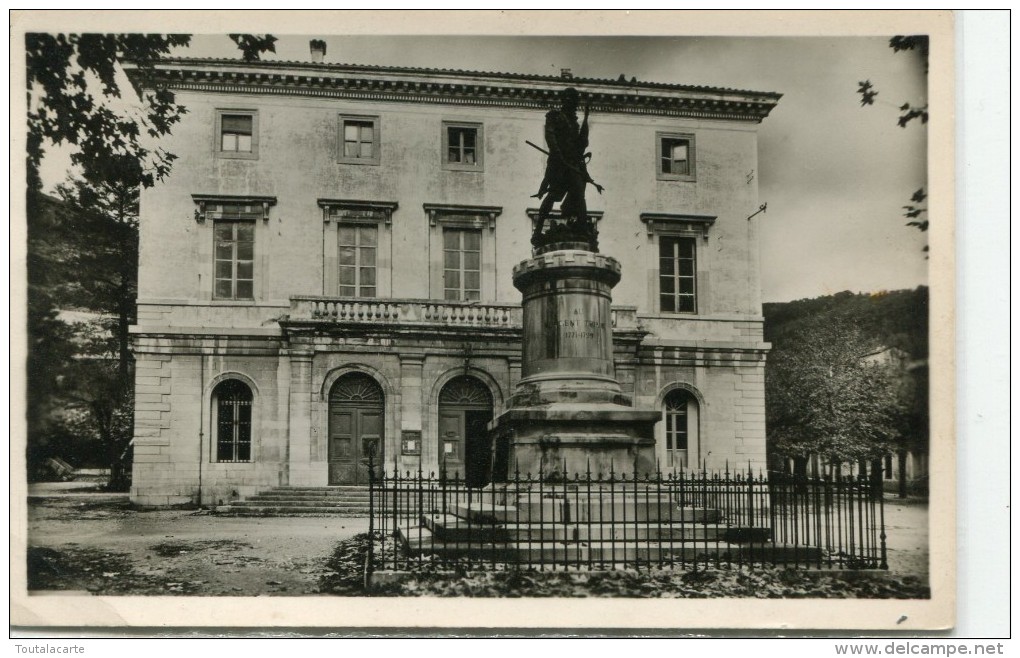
83 248
83 254
102 226
50 345
75 97
918 43
908 111
253 45
824 398
64 71
897 318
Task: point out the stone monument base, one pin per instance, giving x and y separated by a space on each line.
563 440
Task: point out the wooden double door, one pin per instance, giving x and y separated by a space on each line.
356 429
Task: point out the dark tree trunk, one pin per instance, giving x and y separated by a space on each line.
877 487
123 337
902 458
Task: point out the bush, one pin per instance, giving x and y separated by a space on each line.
748 581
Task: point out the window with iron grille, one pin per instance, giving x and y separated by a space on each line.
233 405
462 264
462 146
675 154
677 274
237 133
234 254
358 245
359 140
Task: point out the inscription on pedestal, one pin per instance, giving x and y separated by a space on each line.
578 327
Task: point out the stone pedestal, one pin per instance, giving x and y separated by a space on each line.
568 413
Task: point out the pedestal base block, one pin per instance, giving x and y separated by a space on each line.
565 440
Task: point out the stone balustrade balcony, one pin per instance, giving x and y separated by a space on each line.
424 312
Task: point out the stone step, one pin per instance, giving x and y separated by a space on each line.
300 503
654 552
452 528
290 496
235 510
304 501
615 510
420 541
321 492
330 489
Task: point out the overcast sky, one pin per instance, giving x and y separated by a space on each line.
834 175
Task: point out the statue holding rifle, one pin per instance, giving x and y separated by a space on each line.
566 169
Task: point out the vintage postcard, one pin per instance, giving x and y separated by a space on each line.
483 319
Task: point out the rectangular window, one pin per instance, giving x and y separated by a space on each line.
677 275
462 146
237 134
359 140
234 264
675 157
462 252
357 260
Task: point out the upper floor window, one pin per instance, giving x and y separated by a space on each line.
359 140
676 237
357 260
237 133
357 244
462 264
462 146
677 274
675 153
462 249
234 273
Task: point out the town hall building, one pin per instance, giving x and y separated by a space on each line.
327 270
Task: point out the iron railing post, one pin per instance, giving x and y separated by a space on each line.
370 555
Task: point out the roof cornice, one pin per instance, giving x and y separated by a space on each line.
446 87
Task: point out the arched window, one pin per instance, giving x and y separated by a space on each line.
232 402
681 427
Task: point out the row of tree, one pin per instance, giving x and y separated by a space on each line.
845 381
82 274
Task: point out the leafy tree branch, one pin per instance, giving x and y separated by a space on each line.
909 112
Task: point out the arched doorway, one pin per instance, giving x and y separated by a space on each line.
681 416
355 428
465 409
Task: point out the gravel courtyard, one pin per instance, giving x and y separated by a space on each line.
97 543
100 544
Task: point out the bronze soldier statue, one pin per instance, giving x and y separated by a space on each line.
566 169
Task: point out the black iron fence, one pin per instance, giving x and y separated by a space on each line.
678 520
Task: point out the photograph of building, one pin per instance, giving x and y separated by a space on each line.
328 271
340 314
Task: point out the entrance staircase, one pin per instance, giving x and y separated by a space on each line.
304 501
